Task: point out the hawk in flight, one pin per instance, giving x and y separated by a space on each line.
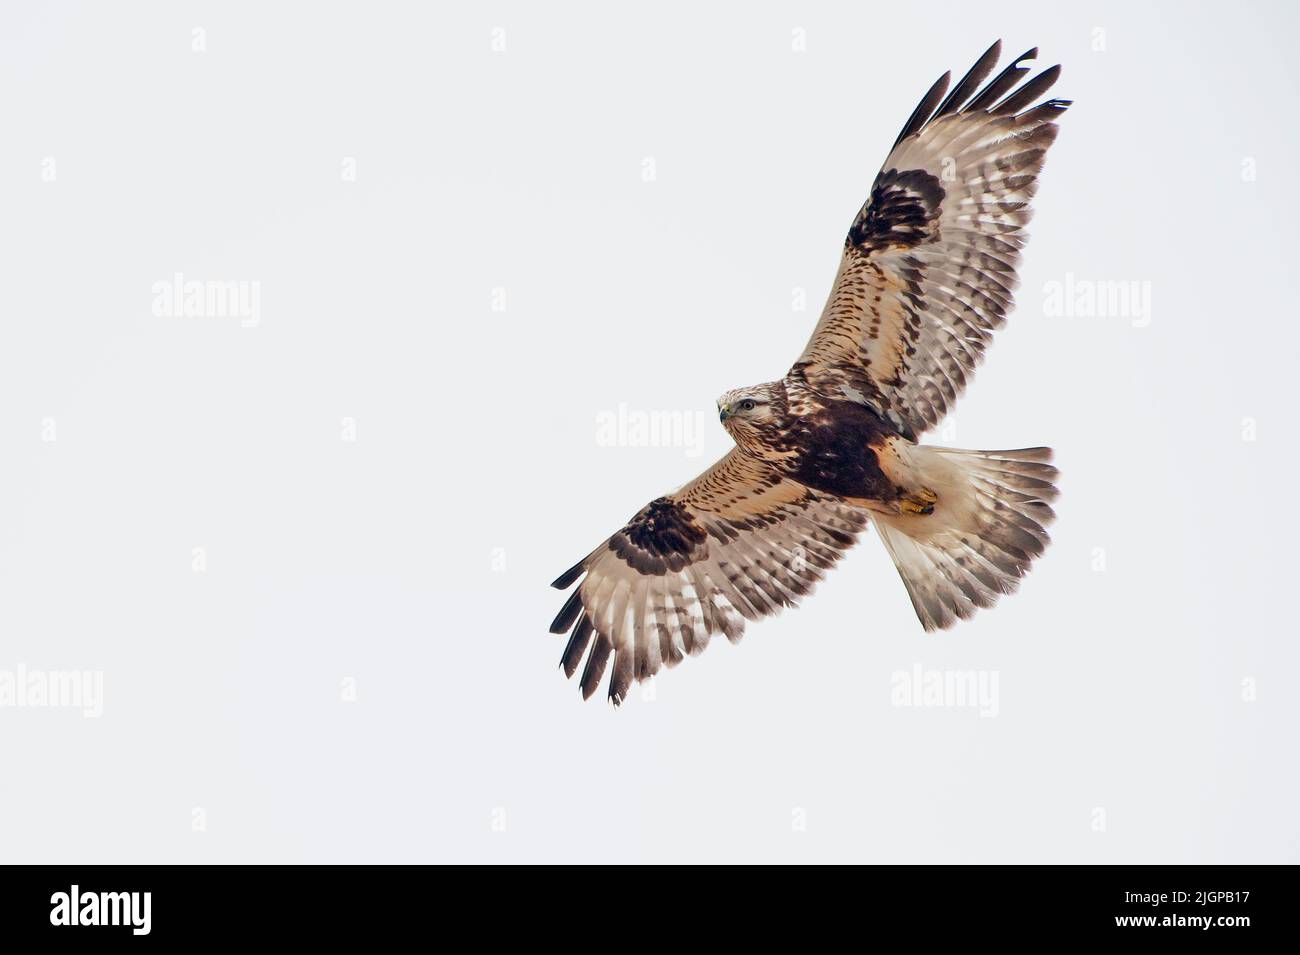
925 278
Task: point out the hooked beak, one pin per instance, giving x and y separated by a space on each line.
724 414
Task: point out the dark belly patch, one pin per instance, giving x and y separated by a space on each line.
836 456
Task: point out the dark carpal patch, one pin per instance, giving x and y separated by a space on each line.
662 537
902 212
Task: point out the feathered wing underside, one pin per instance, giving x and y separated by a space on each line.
929 264
737 543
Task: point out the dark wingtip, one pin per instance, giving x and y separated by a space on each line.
925 109
566 579
576 646
620 680
595 667
969 84
1002 83
1024 96
965 98
568 613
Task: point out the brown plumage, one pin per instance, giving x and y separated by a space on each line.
925 277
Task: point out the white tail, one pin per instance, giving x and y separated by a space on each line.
984 531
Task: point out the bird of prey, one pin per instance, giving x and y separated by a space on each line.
925 277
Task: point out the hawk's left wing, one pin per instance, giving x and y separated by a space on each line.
737 543
929 264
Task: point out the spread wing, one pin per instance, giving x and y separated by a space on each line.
929 264
737 543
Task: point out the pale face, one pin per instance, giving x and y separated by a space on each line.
743 411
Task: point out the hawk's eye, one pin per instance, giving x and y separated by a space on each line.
746 405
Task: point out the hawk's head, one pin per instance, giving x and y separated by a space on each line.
755 415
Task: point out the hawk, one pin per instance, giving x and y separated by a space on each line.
925 277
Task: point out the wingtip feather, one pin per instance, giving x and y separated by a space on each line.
566 579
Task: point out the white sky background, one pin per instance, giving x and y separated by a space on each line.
1125 731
